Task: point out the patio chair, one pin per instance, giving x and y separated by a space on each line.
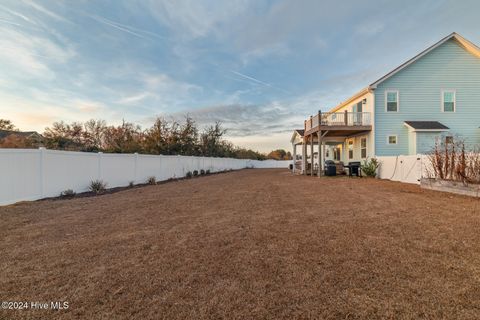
340 167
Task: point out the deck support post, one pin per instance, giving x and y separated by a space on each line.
304 149
311 155
304 155
320 162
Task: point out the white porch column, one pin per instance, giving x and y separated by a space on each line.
304 157
294 155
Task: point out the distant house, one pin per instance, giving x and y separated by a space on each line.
34 138
435 96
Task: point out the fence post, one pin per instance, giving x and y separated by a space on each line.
42 171
346 117
100 165
135 167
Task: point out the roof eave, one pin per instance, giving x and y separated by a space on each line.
362 92
467 45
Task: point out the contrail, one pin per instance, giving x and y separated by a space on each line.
10 22
258 81
125 28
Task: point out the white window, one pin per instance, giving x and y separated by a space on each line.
448 101
350 149
363 147
391 101
392 139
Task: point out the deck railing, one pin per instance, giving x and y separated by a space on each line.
338 119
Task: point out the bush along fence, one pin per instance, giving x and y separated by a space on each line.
32 174
452 169
448 167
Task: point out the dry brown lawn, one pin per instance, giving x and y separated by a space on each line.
252 244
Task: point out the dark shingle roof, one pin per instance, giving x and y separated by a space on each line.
6 133
426 125
300 132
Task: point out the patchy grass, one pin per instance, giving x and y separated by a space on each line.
246 244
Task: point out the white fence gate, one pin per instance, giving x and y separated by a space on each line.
31 174
408 169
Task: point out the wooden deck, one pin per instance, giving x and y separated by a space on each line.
328 126
338 124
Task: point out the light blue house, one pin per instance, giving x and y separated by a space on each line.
435 95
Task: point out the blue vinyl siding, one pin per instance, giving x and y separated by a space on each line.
420 87
426 141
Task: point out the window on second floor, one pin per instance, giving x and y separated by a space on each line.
391 101
448 101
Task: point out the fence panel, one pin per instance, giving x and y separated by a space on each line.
406 169
30 174
148 166
117 169
69 170
20 172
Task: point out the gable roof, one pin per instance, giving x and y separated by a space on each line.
301 132
297 132
467 45
426 125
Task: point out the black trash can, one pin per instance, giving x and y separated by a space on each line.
330 168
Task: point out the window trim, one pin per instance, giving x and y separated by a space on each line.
363 148
388 139
351 142
386 100
442 105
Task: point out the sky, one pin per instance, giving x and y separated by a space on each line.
260 67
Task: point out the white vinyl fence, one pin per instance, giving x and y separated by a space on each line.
408 169
31 174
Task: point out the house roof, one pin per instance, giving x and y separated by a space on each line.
6 133
301 132
426 125
467 45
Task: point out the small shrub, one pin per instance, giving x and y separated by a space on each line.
98 186
152 180
208 171
189 174
69 193
131 184
369 167
195 173
202 172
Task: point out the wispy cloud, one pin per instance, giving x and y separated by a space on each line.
45 11
258 81
143 34
247 120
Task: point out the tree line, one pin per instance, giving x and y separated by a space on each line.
167 137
